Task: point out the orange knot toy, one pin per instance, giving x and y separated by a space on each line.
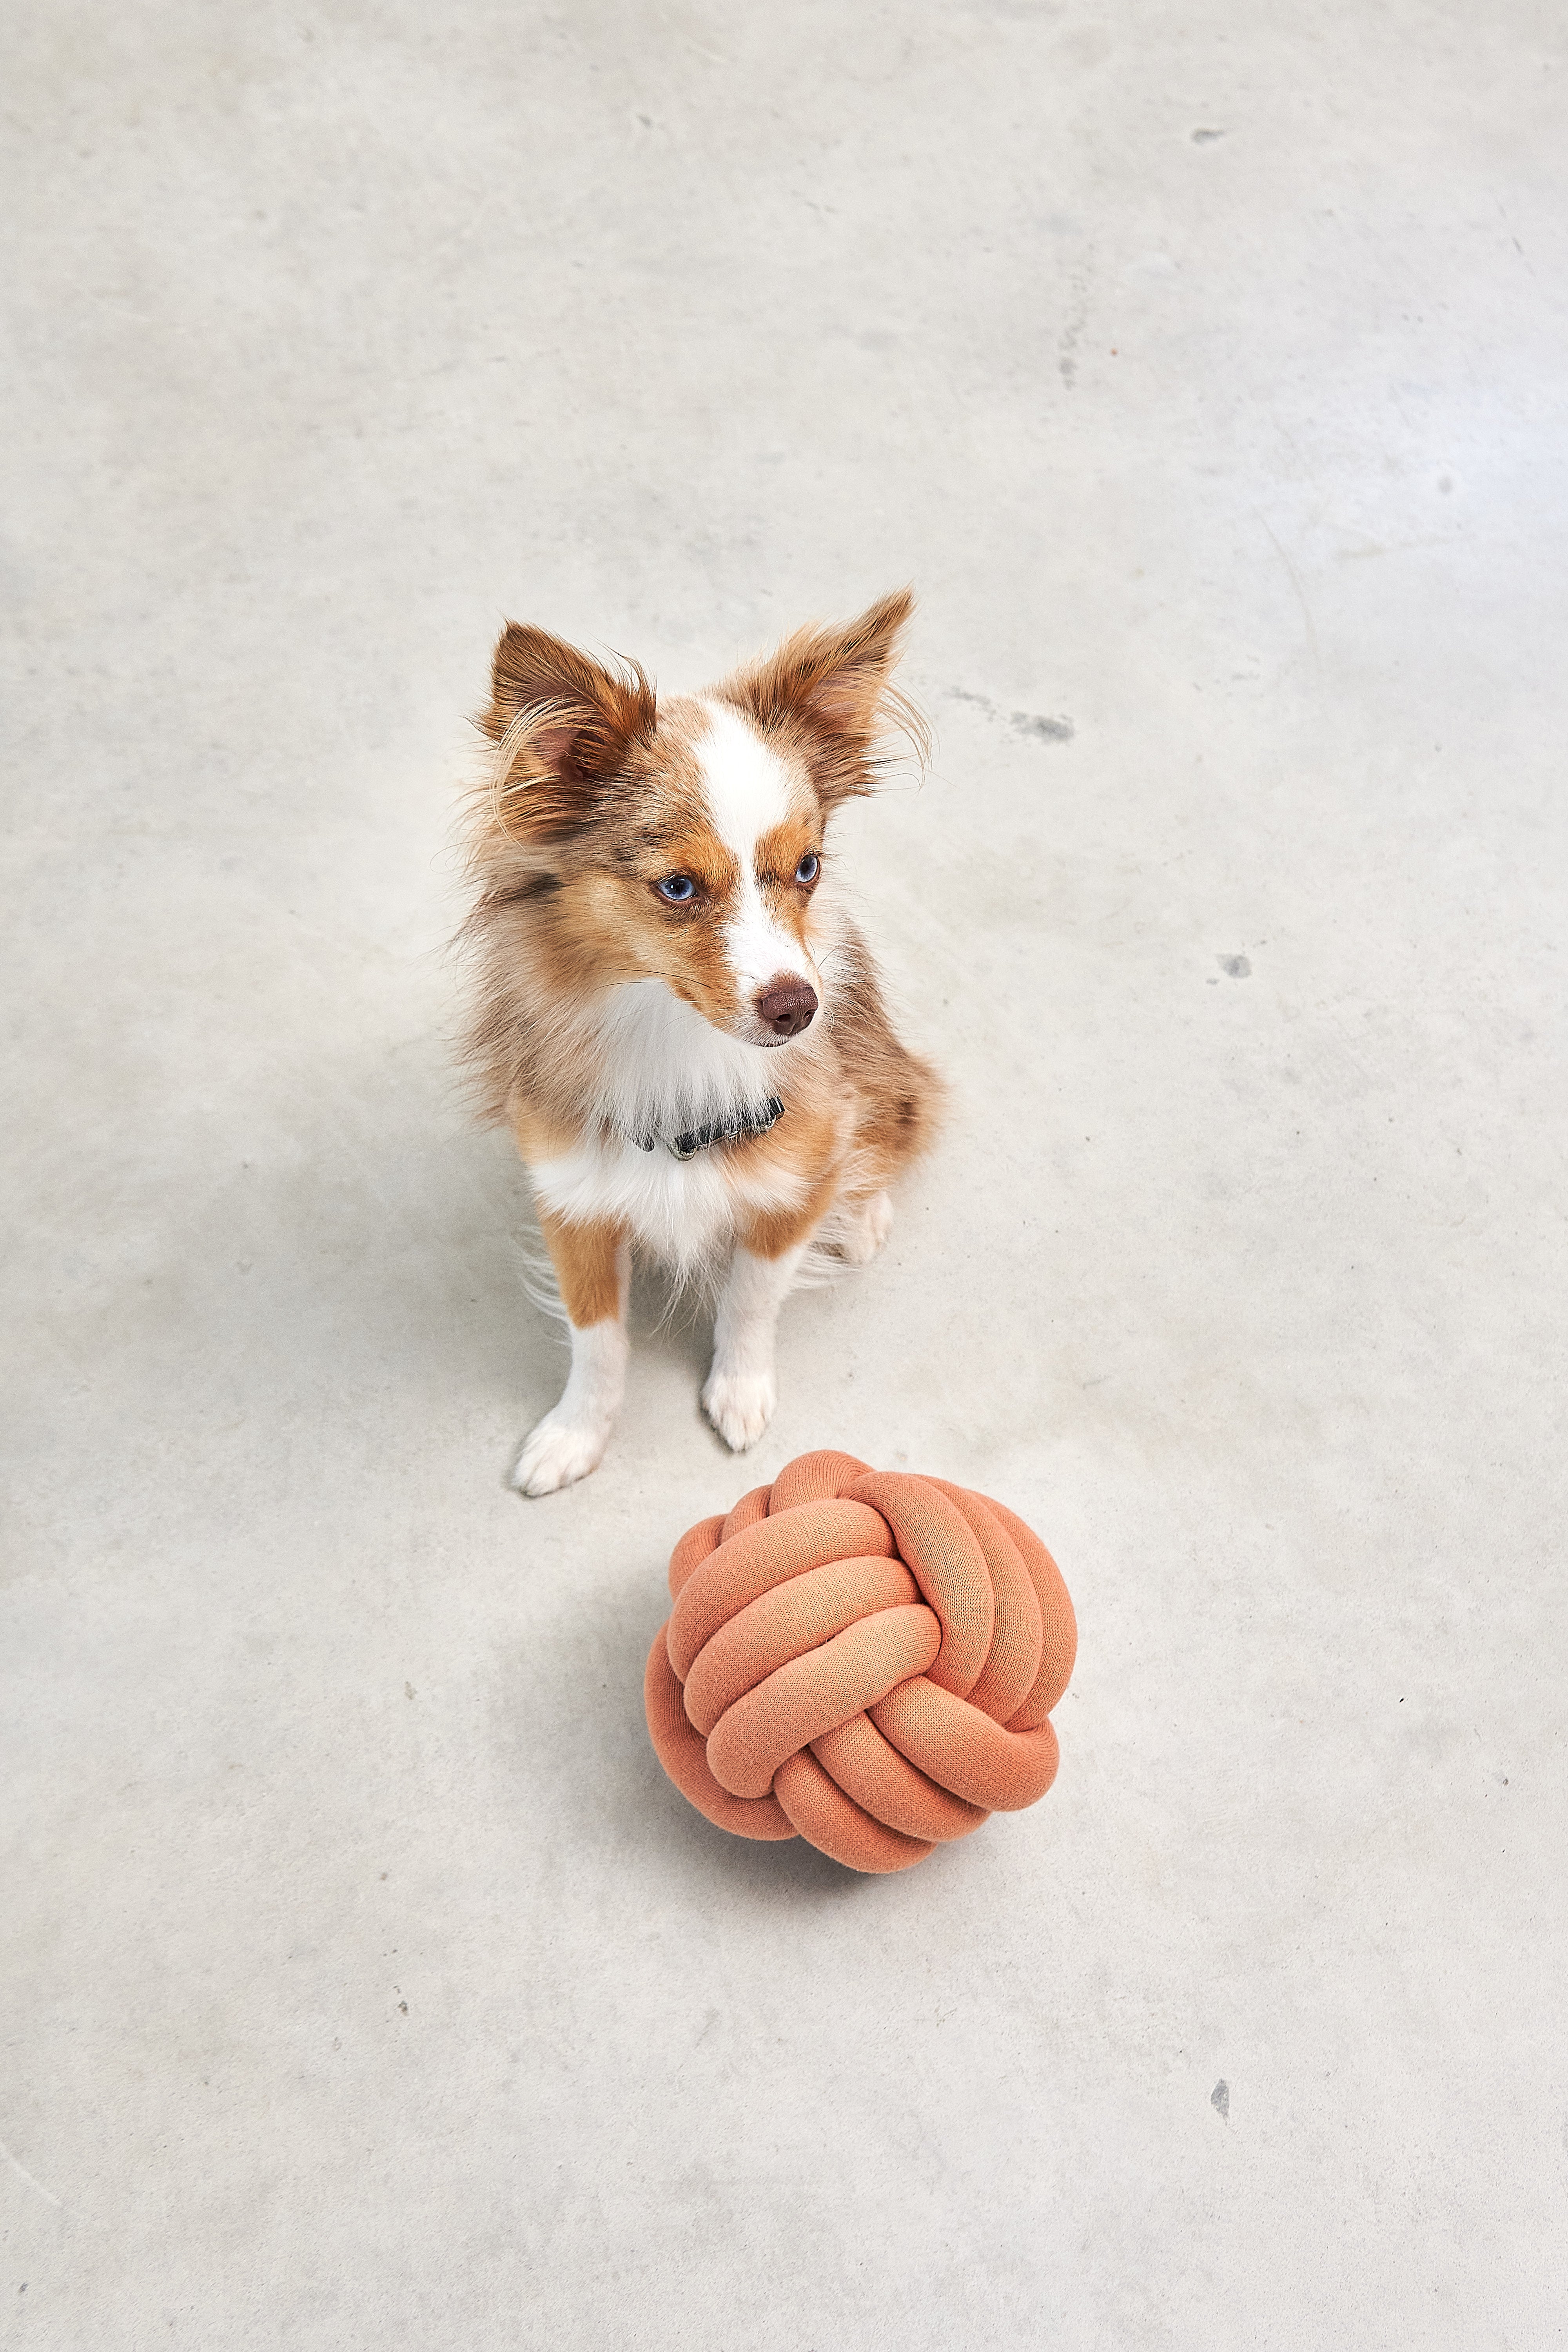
863 1658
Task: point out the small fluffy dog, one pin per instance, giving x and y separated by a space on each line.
674 1012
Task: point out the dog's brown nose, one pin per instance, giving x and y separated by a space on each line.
787 1004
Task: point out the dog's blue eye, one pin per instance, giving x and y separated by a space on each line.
809 868
678 889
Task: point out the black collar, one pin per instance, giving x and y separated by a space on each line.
737 1128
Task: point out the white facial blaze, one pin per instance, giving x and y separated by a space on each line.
748 792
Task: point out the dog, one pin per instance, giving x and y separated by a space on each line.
673 1009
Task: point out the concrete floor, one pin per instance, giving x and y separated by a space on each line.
365 1984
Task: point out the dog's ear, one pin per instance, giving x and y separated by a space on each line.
564 725
833 688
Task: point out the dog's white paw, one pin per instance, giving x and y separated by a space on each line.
868 1229
740 1406
558 1452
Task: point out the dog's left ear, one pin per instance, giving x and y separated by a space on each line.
563 724
832 687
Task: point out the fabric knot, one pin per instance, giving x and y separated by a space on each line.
863 1658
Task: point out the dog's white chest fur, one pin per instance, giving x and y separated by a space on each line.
664 1071
682 1210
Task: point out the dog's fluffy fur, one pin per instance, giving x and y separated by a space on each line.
655 918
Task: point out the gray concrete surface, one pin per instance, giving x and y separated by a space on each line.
1204 367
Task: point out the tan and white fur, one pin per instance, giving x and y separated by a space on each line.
659 949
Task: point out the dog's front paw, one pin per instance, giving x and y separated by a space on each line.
558 1452
868 1229
740 1406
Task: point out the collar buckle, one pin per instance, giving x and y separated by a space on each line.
739 1128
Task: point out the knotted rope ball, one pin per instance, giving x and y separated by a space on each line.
863 1658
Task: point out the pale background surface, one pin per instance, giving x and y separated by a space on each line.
1204 367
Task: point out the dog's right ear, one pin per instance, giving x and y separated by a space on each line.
832 687
563 725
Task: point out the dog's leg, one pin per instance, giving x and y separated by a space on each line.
593 1267
862 1226
740 1392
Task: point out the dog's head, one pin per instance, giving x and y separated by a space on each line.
684 841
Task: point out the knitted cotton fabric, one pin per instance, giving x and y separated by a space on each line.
864 1658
